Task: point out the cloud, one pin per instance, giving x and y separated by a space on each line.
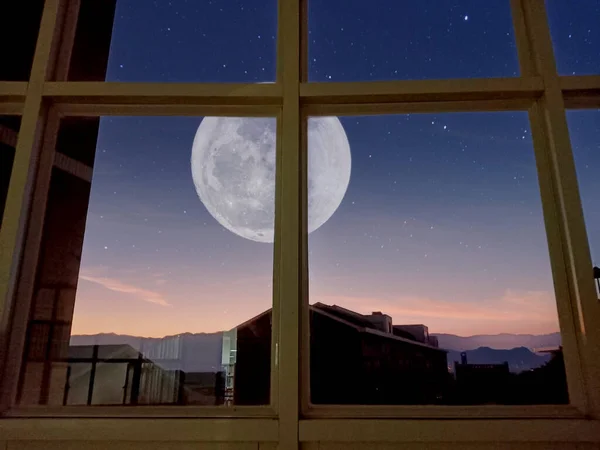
118 286
514 311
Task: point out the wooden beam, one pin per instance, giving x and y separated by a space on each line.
98 93
581 92
530 412
421 90
148 429
17 211
73 167
367 109
457 431
119 109
578 308
13 91
288 228
11 109
589 83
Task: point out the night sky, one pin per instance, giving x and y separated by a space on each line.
442 220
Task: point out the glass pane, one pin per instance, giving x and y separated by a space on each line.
19 26
430 280
576 35
584 128
155 277
111 384
354 40
78 383
9 129
175 40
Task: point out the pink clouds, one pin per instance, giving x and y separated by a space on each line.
116 285
513 312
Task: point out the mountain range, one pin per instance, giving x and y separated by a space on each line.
519 359
201 352
502 341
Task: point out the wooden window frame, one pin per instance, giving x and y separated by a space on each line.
291 420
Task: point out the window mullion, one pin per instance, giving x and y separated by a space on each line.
577 304
288 221
18 201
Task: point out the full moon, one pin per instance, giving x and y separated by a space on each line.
233 168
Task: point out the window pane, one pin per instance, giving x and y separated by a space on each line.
19 25
576 35
9 129
168 292
584 128
175 40
353 40
430 283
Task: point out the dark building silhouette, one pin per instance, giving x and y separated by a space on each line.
252 370
355 359
480 383
544 385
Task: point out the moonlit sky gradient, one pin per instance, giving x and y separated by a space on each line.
441 223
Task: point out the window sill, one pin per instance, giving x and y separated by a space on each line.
141 429
137 412
444 412
455 431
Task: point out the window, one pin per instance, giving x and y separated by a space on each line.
383 40
174 255
576 35
179 40
436 256
232 221
584 127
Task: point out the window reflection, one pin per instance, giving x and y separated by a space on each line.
155 270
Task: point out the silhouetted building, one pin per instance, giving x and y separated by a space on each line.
365 359
544 385
355 359
481 383
252 369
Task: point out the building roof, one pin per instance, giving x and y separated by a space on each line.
352 319
330 312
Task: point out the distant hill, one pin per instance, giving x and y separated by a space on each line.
519 359
201 352
498 341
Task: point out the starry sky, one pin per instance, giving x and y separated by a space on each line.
441 223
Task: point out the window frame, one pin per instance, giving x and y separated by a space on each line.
290 419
